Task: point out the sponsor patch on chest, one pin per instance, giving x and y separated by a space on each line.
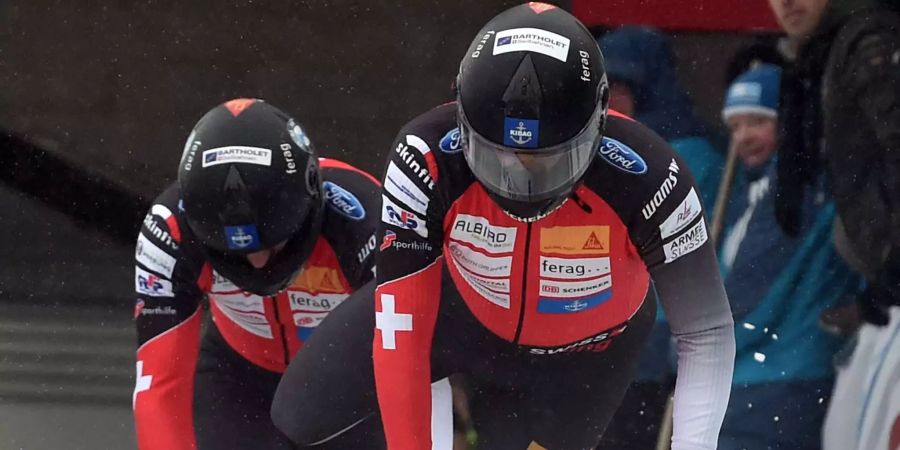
477 231
309 310
575 240
319 279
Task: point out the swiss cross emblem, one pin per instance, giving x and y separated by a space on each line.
141 383
390 322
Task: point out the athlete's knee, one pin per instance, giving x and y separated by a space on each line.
293 421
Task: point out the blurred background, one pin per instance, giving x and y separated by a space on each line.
97 98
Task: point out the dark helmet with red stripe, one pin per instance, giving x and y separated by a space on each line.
249 179
532 103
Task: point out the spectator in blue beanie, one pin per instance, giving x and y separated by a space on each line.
777 285
643 84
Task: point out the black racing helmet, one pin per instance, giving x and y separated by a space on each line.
249 179
532 102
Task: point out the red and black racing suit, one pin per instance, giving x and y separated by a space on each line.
547 318
217 394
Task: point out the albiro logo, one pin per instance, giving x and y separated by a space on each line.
622 157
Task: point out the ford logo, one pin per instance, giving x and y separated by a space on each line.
451 143
342 201
622 156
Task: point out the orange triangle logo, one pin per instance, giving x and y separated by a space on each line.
592 243
238 105
539 7
328 282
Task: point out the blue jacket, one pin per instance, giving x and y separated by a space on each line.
778 285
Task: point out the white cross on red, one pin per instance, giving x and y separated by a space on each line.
142 383
390 322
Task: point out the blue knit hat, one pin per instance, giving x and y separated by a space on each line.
754 91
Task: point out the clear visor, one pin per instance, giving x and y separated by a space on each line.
530 175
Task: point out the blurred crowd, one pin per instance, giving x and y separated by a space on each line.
803 202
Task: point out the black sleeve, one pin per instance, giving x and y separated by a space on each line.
412 210
872 76
665 219
165 277
672 236
352 207
409 280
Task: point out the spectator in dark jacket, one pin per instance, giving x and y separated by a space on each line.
841 113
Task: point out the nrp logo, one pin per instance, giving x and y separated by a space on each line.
402 218
394 214
451 142
622 156
520 132
149 284
344 202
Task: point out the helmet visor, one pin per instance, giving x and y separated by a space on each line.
530 175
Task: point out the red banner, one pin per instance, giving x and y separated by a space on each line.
679 15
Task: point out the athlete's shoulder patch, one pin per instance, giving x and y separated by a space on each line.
621 156
451 142
343 201
150 284
162 224
147 253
